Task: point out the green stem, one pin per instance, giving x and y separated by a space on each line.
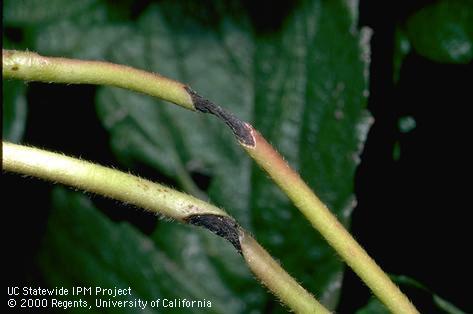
30 66
104 181
158 199
328 225
261 263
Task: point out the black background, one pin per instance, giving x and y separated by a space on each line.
412 214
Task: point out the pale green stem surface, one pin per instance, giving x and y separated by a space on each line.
328 225
35 67
260 262
104 181
158 199
30 66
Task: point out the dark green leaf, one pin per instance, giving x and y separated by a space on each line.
304 87
443 31
31 12
84 248
309 87
303 83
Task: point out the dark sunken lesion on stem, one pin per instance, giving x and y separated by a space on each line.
239 127
222 226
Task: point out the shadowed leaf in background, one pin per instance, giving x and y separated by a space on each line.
443 31
303 85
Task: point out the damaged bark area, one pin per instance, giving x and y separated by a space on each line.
239 127
222 226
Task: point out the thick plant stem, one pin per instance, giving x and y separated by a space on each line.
104 181
262 263
328 225
161 200
35 67
30 66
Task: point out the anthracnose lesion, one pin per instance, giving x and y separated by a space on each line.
239 127
223 226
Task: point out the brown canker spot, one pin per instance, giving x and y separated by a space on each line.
222 226
239 127
15 68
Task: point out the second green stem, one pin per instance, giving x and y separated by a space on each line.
31 66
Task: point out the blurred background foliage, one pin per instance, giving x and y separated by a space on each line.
299 72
